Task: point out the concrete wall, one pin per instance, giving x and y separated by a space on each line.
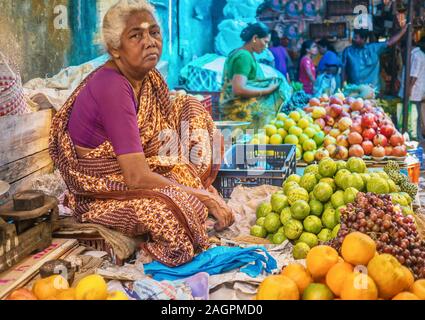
29 32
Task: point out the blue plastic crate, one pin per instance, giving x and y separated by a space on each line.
255 165
419 153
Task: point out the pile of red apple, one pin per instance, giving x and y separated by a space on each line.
356 128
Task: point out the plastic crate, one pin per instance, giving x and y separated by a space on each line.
419 153
255 165
215 100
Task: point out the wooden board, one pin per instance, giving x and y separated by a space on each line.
24 135
23 272
6 211
26 183
19 169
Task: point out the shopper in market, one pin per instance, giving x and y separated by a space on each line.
246 94
416 89
361 60
281 56
329 56
307 70
107 143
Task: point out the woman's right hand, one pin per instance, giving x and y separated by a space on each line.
218 208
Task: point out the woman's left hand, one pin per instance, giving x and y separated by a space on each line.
219 209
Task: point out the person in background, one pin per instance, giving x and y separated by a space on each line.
307 70
246 94
329 57
281 56
327 82
416 90
361 60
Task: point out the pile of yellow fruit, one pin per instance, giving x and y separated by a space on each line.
56 287
360 274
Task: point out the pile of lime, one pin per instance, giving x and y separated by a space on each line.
307 209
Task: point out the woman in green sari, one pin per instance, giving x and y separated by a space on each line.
246 94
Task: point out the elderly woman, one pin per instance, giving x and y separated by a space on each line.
247 95
112 144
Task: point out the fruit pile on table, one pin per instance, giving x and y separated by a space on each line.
358 273
310 208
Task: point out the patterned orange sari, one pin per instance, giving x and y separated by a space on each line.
174 220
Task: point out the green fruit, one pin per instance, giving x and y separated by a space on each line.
296 131
309 238
317 291
391 166
260 221
278 202
337 199
329 218
313 168
308 181
365 177
335 231
357 182
281 230
272 222
323 191
291 139
309 145
328 205
319 137
293 229
327 167
341 164
312 224
308 156
302 138
298 194
325 235
264 209
407 211
288 186
356 165
383 175
378 185
278 238
316 207
407 197
339 177
392 185
329 181
350 195
311 196
300 251
285 215
270 237
300 209
294 177
399 199
258 231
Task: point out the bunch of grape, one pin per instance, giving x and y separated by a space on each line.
383 221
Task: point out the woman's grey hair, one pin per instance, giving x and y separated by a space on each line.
116 18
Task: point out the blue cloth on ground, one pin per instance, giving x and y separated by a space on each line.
216 261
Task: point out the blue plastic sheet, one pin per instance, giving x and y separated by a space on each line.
216 261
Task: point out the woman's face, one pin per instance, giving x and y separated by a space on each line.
141 43
260 44
313 50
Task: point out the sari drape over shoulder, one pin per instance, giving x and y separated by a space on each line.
174 220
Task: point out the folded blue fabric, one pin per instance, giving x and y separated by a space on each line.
216 261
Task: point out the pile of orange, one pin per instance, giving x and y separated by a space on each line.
56 287
360 274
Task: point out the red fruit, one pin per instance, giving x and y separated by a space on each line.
369 134
368 120
344 123
320 122
388 150
355 138
329 120
335 110
367 147
331 149
342 141
387 130
378 152
349 100
356 127
345 114
357 104
356 151
314 102
396 140
341 153
324 98
308 109
327 129
335 100
399 151
22 294
380 140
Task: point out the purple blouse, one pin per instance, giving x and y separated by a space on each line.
106 109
